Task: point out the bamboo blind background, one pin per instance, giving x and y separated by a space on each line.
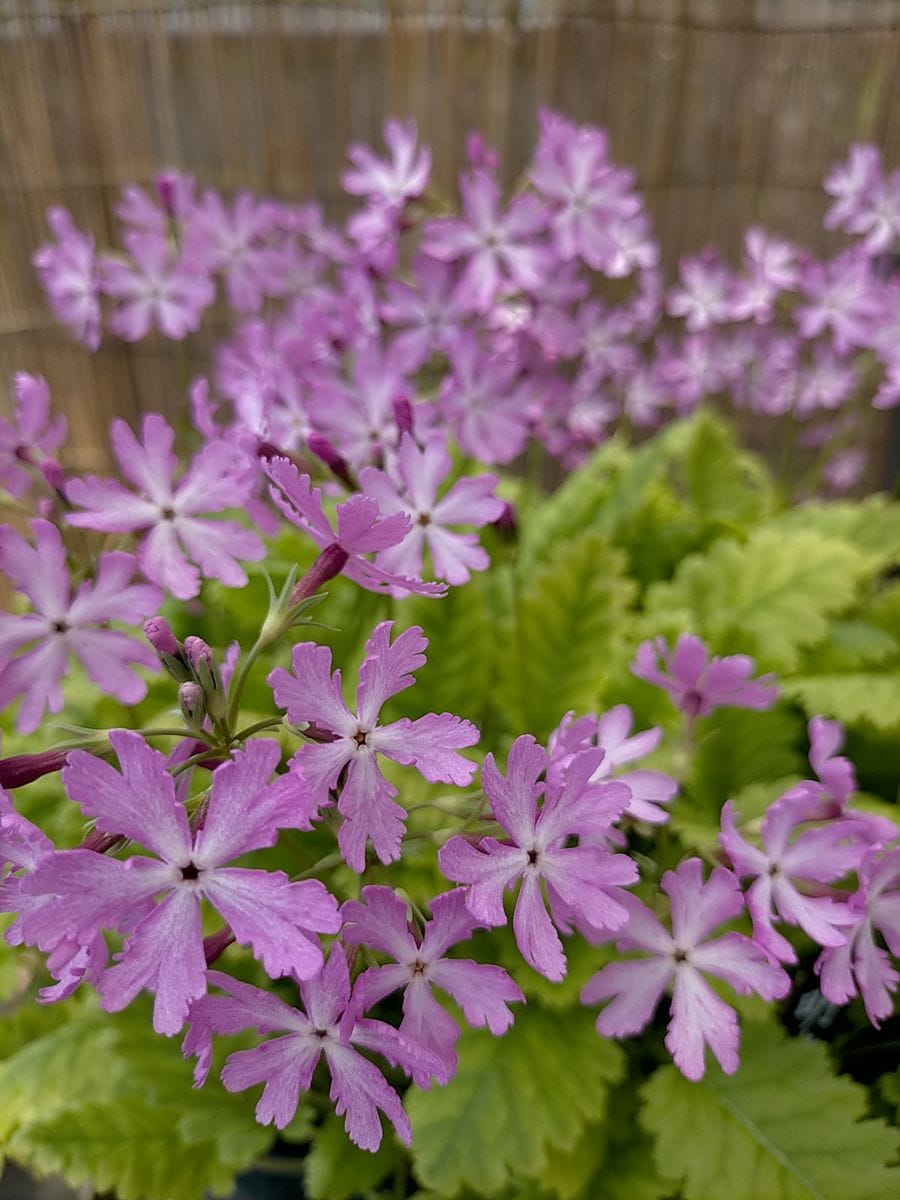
731 111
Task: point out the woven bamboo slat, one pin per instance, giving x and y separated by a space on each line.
730 111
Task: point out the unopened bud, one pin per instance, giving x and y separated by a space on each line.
20 769
158 633
54 474
207 674
507 524
403 414
192 703
325 451
167 183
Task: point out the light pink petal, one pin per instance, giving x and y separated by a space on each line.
221 476
644 930
380 919
39 571
369 812
818 916
876 977
326 995
109 506
162 560
359 1090
277 919
740 961
164 955
430 743
216 545
388 668
635 987
36 676
285 1065
426 1024
482 991
588 880
699 1019
536 938
745 858
470 502
362 530
489 871
310 692
698 907
107 655
150 466
319 765
451 922
113 597
455 555
825 854
138 803
514 798
245 811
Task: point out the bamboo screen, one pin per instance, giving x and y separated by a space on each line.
730 111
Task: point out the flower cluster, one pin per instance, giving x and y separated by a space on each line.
352 413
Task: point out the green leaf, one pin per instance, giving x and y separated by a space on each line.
144 1132
783 1126
769 597
570 619
338 1170
515 1104
850 696
871 526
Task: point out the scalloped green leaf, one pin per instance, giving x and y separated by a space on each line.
515 1104
783 1126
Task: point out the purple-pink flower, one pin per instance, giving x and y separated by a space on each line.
483 991
155 289
69 273
63 624
285 1064
699 682
584 883
431 744
156 901
361 529
409 485
395 181
180 546
699 1017
33 430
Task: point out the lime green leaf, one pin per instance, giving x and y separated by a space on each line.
850 696
769 597
569 620
783 1126
871 526
338 1170
516 1103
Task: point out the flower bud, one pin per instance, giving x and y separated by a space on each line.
192 703
507 524
20 769
323 450
403 414
53 474
207 674
159 634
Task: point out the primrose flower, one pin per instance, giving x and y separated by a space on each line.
431 744
32 430
329 1026
235 242
62 624
155 289
861 966
410 486
699 682
404 177
156 901
584 883
699 1018
69 273
219 477
482 991
361 530
817 856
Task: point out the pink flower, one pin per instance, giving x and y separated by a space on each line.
286 1064
429 313
705 295
83 892
236 242
584 883
430 744
410 486
32 431
851 183
155 289
219 477
420 963
843 297
361 529
481 401
817 856
699 1018
62 624
391 183
498 249
861 966
69 274
698 682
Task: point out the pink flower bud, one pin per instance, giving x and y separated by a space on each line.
54 474
324 450
20 769
403 414
192 703
158 633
